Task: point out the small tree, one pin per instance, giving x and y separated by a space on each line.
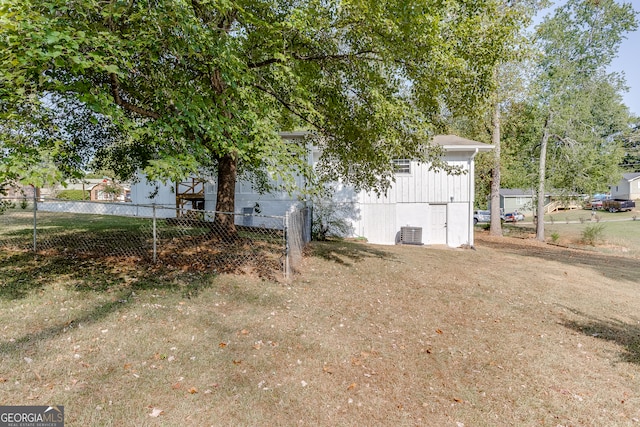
331 219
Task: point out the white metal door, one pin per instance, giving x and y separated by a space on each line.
438 225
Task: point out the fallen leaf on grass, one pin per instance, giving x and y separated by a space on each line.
352 386
222 345
176 386
156 412
439 331
193 390
237 362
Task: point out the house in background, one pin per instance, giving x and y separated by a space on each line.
422 206
524 201
627 188
518 199
109 191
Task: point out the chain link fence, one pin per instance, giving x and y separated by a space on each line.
268 246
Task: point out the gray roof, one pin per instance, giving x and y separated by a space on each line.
457 143
516 192
631 176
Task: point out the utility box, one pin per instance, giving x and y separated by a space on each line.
410 235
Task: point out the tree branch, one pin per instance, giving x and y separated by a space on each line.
115 91
289 107
308 58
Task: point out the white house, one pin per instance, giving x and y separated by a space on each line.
627 188
422 206
432 204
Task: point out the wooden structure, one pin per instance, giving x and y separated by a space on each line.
189 192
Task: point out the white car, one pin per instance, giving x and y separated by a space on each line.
481 216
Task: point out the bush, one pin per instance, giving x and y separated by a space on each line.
331 219
593 234
555 237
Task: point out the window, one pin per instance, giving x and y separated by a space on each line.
402 166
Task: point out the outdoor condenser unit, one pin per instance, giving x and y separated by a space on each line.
247 217
411 235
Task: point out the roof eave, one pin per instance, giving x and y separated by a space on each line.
481 148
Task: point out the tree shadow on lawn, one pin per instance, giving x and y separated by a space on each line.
614 267
24 272
346 252
94 315
624 334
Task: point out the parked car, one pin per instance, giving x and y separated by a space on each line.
593 204
513 217
481 216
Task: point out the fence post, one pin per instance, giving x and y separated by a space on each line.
35 219
287 248
155 236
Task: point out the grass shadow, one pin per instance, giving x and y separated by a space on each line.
346 252
92 316
626 335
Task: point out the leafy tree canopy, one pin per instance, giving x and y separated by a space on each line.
172 86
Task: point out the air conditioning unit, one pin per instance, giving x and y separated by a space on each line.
411 235
247 217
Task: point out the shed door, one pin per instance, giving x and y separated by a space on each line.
438 225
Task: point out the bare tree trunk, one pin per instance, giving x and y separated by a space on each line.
542 173
225 202
496 223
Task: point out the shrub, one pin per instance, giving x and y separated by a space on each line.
554 237
331 219
593 234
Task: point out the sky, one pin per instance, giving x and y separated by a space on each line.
627 62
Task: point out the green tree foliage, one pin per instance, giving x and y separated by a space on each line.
631 146
178 85
580 104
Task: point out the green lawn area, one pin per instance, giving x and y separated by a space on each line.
620 231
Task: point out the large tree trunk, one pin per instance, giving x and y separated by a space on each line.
542 171
225 201
496 222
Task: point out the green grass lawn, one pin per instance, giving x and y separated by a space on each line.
620 231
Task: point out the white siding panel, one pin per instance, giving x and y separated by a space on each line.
144 192
377 223
458 217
